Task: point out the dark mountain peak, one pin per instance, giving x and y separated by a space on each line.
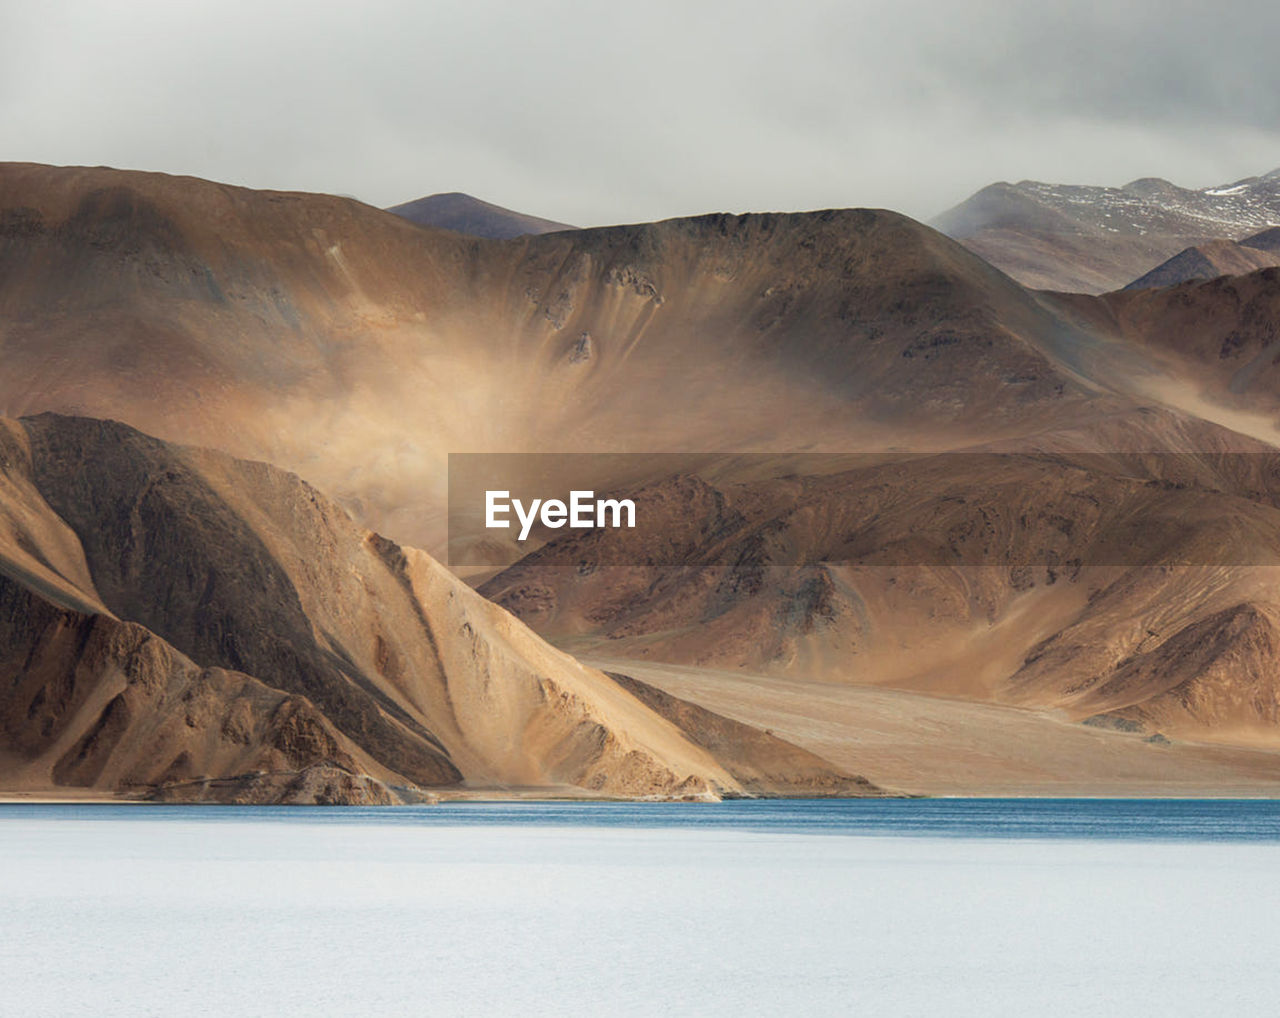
463 213
1212 259
1267 240
1147 186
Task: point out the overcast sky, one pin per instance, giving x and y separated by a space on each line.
593 113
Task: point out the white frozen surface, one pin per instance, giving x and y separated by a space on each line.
295 917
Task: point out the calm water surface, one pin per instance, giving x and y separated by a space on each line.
901 907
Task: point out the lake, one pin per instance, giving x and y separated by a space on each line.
876 907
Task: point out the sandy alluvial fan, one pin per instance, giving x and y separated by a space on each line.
358 349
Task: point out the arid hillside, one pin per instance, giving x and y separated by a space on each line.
1210 345
1104 585
1209 260
346 344
178 623
1115 568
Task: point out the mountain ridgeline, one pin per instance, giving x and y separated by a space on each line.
357 350
465 214
1091 239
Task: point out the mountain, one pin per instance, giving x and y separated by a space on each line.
1012 577
1090 239
1267 240
359 350
465 214
1215 258
182 624
1211 343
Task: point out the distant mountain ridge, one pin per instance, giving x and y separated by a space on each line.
1215 258
1089 239
359 349
464 214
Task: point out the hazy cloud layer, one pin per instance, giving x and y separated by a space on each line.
592 112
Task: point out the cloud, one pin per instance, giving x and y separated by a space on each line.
592 113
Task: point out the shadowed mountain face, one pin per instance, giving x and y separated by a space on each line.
1213 340
181 622
1094 239
1267 240
464 214
1208 261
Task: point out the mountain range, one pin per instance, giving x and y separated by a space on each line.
1091 239
759 649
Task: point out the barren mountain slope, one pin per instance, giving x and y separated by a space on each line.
359 350
947 746
342 342
1267 240
366 657
1031 577
1212 344
104 705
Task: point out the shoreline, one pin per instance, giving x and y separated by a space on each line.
44 798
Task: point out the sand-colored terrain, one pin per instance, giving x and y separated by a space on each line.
945 746
1208 261
346 344
358 350
182 624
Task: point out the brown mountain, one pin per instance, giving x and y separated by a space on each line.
1087 239
341 342
1211 344
355 348
1014 577
179 623
465 214
1267 240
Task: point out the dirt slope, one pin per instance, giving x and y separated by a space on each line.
200 617
357 349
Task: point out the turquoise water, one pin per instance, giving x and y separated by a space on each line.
901 907
1126 819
